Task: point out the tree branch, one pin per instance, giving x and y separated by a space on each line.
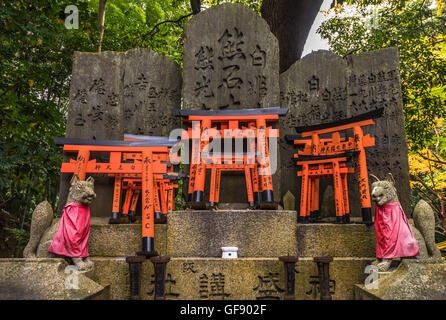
152 32
426 158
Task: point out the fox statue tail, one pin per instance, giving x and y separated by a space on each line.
40 221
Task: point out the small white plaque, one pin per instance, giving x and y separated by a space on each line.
229 252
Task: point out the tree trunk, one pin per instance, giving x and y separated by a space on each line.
290 21
101 19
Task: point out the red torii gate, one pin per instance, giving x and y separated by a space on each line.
328 156
147 169
222 121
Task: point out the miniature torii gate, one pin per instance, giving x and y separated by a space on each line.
323 157
164 185
222 122
147 169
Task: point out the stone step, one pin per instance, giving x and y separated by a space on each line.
117 240
46 279
239 279
336 240
256 233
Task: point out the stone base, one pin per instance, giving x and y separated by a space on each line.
256 233
412 280
46 279
335 240
117 240
237 279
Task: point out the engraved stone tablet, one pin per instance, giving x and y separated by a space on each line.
374 82
95 111
314 91
152 89
231 60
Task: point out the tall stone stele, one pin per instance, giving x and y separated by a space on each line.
95 111
314 91
231 61
113 93
323 87
152 90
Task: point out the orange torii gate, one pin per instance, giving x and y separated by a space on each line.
230 124
322 157
146 169
164 185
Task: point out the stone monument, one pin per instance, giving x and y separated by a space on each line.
233 65
323 87
113 93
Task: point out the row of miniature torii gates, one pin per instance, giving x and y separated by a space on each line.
143 165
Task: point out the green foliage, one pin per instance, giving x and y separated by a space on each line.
35 64
253 4
21 237
418 30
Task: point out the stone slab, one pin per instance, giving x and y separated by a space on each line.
117 240
412 280
314 91
236 279
374 82
336 240
256 233
44 279
234 64
95 111
152 89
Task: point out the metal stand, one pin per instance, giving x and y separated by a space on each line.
323 267
135 272
289 264
159 264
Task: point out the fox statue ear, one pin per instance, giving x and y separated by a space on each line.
390 178
374 177
90 180
75 179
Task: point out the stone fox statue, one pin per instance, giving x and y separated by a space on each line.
394 235
66 236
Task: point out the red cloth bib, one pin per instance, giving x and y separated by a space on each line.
394 237
71 238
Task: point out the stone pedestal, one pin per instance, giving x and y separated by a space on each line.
256 233
46 279
412 280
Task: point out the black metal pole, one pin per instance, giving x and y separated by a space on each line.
289 264
323 267
159 264
135 275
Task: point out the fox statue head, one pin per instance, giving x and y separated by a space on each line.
384 191
81 191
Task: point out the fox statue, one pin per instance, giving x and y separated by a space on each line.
67 236
395 236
